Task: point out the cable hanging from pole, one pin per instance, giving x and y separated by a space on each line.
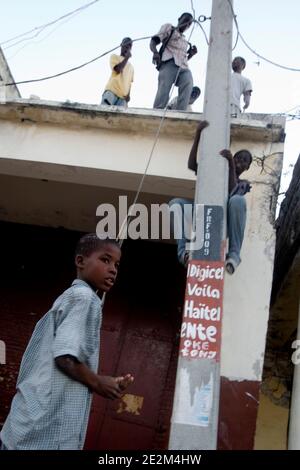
291 69
124 226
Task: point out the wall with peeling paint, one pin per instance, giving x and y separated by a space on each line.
247 294
272 425
246 304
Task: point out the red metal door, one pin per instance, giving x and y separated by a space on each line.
140 336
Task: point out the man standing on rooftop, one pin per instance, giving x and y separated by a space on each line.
117 90
172 62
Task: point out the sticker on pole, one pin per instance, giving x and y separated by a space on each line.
207 235
198 408
202 315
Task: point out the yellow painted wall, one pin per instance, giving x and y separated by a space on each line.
271 427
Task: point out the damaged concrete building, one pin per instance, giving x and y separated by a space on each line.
58 163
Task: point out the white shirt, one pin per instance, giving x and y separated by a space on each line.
239 86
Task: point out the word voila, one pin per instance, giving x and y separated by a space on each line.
203 291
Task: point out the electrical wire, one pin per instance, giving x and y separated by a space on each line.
45 37
78 66
124 226
291 69
193 9
291 109
236 40
203 30
198 22
22 82
41 28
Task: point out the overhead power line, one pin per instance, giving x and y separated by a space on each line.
200 19
193 9
60 24
291 69
38 29
73 68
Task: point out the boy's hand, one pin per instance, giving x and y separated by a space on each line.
245 187
226 154
192 51
202 125
124 382
127 54
108 387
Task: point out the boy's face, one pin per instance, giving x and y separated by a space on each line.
242 163
100 268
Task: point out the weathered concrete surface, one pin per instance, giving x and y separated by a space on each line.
282 329
7 92
59 161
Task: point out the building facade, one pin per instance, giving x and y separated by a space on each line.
58 163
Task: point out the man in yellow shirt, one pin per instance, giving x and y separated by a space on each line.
117 90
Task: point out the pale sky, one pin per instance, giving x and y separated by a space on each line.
271 27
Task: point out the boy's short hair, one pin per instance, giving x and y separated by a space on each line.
243 153
241 59
91 242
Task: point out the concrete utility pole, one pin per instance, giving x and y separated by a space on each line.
197 393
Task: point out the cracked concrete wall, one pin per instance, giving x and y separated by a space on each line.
246 303
111 153
247 293
275 396
272 423
66 146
